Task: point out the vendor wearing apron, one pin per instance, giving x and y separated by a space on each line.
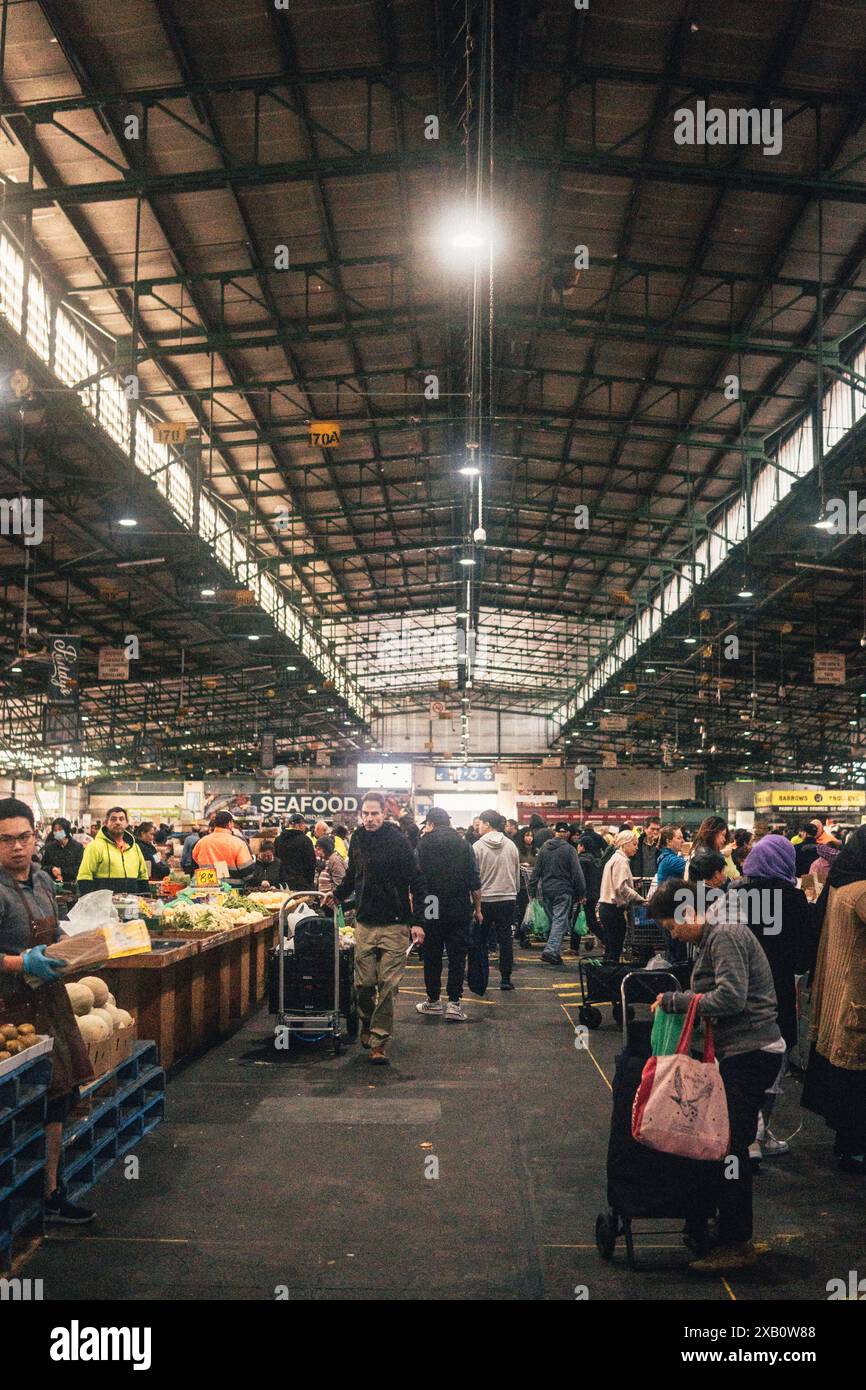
28 923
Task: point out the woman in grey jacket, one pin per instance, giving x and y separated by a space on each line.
732 975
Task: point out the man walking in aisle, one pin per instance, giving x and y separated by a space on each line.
499 870
450 872
390 893
558 879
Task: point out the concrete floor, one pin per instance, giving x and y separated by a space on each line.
306 1175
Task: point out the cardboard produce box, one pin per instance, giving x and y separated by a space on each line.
106 1055
110 942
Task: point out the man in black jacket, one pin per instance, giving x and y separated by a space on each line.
384 875
557 879
645 861
296 854
451 876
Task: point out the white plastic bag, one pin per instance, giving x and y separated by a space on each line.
90 912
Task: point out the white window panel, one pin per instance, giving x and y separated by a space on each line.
11 283
38 319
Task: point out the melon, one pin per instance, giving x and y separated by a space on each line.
93 1028
80 997
106 1017
98 988
123 1020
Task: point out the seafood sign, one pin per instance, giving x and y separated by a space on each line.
64 653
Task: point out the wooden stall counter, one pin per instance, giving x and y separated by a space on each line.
155 988
189 994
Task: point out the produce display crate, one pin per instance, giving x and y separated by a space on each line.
115 1113
107 1055
23 1099
24 1077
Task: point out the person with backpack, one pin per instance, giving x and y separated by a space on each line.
557 879
451 875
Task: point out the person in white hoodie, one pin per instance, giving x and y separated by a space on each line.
499 871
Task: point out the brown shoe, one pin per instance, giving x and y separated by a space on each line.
377 1055
366 1040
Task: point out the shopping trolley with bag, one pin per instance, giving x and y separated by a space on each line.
311 986
642 1183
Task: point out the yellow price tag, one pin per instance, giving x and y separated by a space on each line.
206 876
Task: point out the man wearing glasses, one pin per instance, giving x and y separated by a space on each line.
113 859
28 923
386 879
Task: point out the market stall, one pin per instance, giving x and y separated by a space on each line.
205 972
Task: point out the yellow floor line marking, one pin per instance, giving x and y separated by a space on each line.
731 1293
586 1049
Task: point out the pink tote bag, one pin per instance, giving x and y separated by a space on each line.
680 1106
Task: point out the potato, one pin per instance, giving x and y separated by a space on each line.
8 1030
13 1046
24 1029
4 1056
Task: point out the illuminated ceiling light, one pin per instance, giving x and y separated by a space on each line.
208 593
825 524
254 637
470 471
291 668
467 560
16 670
126 521
690 641
745 593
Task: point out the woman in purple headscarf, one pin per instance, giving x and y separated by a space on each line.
787 926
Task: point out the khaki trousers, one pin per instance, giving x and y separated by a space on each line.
380 959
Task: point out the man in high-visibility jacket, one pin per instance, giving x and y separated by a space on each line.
322 828
113 860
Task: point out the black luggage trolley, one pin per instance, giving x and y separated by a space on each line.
601 981
311 989
641 1183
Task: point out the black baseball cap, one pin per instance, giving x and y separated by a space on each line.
297 819
437 815
562 825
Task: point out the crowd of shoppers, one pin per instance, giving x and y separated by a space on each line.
751 932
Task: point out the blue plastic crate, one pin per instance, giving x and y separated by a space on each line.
129 1103
28 1081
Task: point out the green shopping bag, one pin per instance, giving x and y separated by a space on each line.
339 917
540 921
580 928
666 1032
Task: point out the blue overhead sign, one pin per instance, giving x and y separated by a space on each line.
465 772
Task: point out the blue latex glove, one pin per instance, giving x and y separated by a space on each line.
42 967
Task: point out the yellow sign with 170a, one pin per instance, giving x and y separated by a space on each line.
325 434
